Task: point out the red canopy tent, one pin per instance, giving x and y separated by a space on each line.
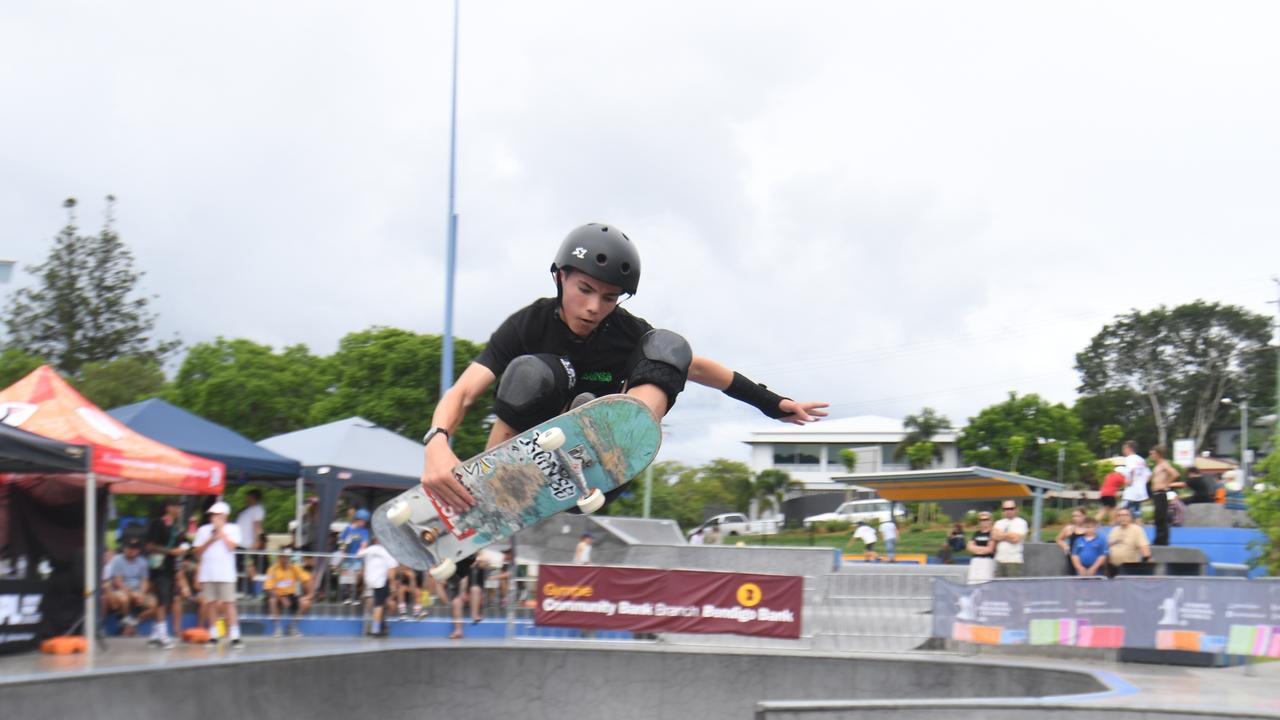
45 404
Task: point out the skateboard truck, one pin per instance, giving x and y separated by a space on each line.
589 499
400 514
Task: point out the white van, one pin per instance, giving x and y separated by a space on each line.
864 510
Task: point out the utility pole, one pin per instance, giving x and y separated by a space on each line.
451 248
1275 337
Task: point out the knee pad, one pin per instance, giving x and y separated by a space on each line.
533 388
663 360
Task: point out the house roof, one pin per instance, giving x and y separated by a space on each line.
857 429
971 483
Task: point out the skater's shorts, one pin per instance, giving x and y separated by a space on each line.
1108 501
380 595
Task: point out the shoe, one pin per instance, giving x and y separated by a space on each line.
130 621
155 642
168 643
237 644
211 643
295 632
277 633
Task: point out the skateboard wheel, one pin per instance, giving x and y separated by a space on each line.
399 513
444 570
551 440
592 502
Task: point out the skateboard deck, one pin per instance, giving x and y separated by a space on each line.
606 442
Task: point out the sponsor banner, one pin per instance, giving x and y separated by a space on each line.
647 600
1193 614
21 614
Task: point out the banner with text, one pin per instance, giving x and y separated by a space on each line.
21 614
1237 617
690 601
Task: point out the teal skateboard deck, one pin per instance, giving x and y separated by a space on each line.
606 443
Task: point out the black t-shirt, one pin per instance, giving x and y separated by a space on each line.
600 359
165 536
982 538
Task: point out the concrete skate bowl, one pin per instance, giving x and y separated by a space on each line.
535 682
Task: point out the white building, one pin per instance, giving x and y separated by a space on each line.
811 453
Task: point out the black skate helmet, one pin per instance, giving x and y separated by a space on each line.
602 251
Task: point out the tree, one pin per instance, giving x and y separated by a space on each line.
770 489
921 455
392 377
16 364
122 381
83 307
1109 436
921 428
1122 407
1023 434
849 459
664 502
249 387
1264 508
1182 361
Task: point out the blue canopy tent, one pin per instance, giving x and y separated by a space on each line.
192 434
350 454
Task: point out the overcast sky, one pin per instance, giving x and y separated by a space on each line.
883 205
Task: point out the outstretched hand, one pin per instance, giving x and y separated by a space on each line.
799 413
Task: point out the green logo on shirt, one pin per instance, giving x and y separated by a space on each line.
598 376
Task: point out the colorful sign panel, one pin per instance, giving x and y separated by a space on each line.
1238 617
689 601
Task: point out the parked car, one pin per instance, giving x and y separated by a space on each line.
864 510
734 524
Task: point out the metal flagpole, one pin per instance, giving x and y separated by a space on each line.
446 358
90 559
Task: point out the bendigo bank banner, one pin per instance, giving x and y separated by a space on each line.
690 601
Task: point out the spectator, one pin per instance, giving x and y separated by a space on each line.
982 567
352 540
867 535
1163 479
1088 550
378 565
1009 532
130 593
404 591
165 545
889 531
252 538
582 552
1202 487
466 584
288 585
696 538
1127 545
1067 537
1111 486
955 543
1136 475
712 536
215 546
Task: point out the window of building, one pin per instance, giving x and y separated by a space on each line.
797 455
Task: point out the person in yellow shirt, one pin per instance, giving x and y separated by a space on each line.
288 585
1127 546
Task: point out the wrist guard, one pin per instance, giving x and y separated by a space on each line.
756 395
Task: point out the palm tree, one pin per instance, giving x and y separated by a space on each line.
921 429
770 488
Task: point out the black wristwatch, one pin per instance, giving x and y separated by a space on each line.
426 439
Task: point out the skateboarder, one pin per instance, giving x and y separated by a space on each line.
580 341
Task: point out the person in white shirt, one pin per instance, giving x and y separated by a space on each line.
582 552
215 545
250 522
378 565
889 531
1009 533
1135 489
867 535
696 538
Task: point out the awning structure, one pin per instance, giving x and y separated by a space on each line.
970 483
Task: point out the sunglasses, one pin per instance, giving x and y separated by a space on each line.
1008 508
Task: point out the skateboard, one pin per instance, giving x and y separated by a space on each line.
570 459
